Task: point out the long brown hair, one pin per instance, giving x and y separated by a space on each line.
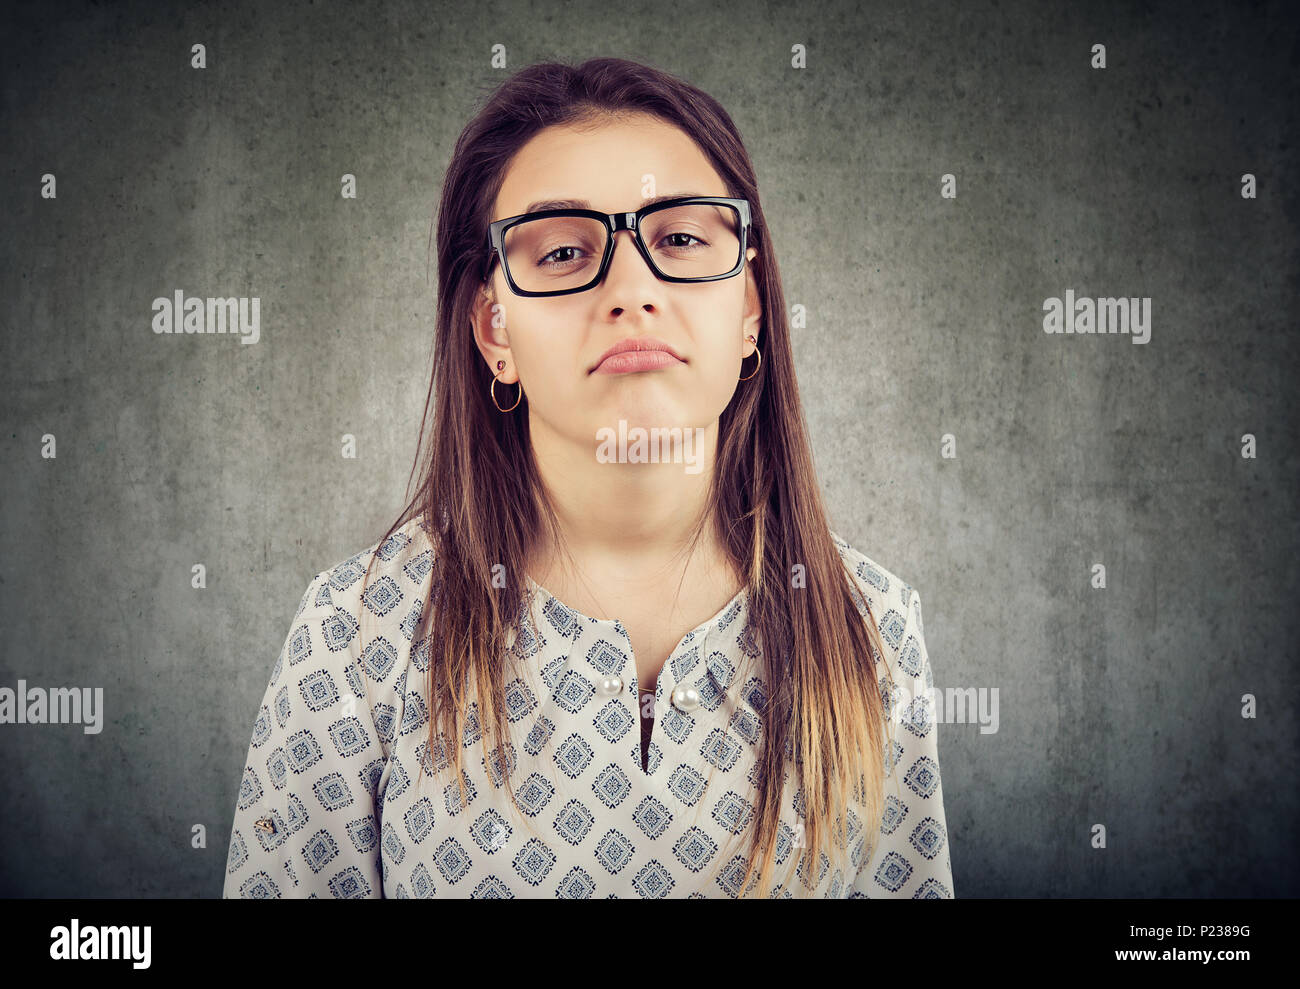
481 501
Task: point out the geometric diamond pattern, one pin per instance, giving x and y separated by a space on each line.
342 794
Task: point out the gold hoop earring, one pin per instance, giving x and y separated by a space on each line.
493 393
751 339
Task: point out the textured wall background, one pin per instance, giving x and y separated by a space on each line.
1120 706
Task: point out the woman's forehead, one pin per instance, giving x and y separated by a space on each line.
615 166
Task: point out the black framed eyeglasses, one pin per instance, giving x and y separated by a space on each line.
562 251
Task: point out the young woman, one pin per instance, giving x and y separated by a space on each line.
612 647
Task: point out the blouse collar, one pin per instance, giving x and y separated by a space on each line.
690 662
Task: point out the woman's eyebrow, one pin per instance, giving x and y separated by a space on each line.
542 204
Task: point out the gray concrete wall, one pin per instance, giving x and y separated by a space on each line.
1119 706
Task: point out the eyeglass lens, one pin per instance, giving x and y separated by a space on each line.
553 253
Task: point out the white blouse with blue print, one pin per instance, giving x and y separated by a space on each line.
337 800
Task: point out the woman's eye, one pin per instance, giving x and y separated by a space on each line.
559 250
688 236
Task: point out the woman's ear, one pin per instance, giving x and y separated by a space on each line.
493 340
481 313
753 318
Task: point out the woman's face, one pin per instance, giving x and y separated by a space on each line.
551 345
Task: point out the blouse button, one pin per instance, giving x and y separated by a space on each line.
685 698
609 686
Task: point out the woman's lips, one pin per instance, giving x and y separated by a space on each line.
636 360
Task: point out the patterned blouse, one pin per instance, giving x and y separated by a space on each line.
332 803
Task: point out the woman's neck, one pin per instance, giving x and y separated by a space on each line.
624 527
640 515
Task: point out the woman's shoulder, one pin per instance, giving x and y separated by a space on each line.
382 583
891 599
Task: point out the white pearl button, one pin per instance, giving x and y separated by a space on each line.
685 698
609 686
